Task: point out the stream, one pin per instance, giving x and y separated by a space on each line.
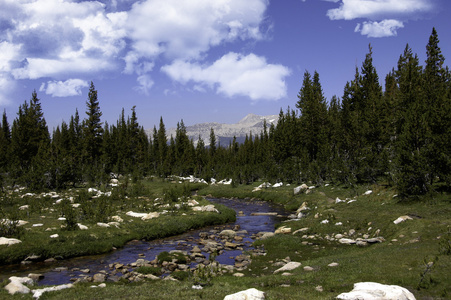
61 272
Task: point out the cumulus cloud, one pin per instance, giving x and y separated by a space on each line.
234 74
379 29
385 16
187 29
70 87
62 39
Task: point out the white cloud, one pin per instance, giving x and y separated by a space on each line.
61 39
70 87
233 75
384 28
187 29
145 84
378 9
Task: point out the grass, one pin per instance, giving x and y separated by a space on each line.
416 254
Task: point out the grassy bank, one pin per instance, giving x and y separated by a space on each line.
415 254
43 212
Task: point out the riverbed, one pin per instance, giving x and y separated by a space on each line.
64 271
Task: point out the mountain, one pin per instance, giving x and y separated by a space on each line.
225 132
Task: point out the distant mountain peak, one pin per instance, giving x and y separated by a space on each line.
225 132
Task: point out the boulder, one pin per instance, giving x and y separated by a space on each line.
99 277
17 285
250 294
300 189
373 290
227 234
151 216
288 267
82 227
302 208
8 241
346 241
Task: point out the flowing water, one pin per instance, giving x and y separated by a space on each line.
71 268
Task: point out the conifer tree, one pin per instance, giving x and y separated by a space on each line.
92 135
436 82
30 142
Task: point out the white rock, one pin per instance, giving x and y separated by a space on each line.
373 290
288 267
151 216
54 236
16 285
82 227
38 225
368 192
346 241
402 219
135 214
76 205
38 293
283 230
300 189
279 184
24 207
9 241
338 200
100 224
324 221
334 264
250 294
62 219
339 224
117 219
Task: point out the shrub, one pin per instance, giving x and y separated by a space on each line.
149 270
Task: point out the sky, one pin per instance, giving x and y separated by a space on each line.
199 60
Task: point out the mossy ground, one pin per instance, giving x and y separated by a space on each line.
403 259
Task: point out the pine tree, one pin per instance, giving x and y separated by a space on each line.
5 141
93 127
436 82
30 142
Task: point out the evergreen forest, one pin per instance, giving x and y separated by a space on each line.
398 135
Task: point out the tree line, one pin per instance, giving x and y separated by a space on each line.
398 135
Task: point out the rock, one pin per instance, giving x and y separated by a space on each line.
9 241
38 293
288 267
17 285
99 277
402 219
266 235
227 233
368 192
300 189
319 288
346 241
35 277
54 236
334 264
302 208
283 230
230 245
373 290
82 227
308 269
24 207
196 249
250 294
103 225
117 219
238 275
264 214
38 225
375 240
300 230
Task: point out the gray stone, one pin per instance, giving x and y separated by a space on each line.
99 277
288 267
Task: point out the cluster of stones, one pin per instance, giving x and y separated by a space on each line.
213 242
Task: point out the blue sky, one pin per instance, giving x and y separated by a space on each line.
199 60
